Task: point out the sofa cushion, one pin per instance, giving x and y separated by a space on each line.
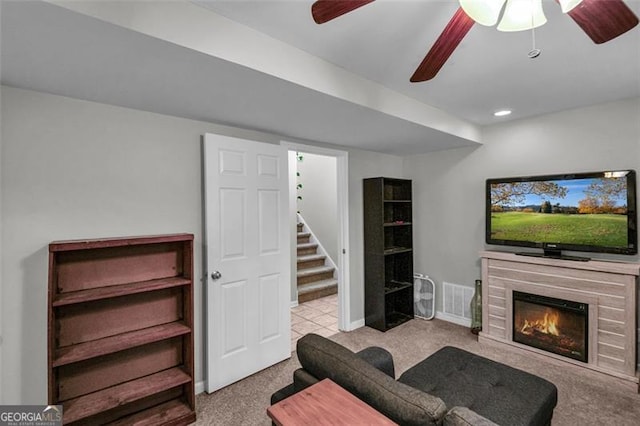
503 394
403 404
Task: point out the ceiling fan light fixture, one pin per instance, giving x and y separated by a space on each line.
521 15
567 5
484 12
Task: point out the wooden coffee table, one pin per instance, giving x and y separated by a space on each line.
324 403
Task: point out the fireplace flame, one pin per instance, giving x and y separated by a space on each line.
546 325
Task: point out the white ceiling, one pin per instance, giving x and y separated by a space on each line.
386 40
56 50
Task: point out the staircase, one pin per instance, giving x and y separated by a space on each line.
315 278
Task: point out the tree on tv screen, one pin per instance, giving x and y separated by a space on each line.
505 194
601 196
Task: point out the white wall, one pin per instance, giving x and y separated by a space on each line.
77 169
319 203
449 185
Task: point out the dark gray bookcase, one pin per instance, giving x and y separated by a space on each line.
388 252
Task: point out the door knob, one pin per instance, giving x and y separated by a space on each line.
216 275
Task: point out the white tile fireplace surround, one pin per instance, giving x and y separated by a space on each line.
609 288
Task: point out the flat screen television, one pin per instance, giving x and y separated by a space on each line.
591 212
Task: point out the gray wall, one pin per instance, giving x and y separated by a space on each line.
449 185
319 203
77 169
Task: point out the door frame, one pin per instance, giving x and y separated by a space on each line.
342 183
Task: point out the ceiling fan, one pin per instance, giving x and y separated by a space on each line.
601 20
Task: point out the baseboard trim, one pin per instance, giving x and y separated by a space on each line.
199 387
294 303
466 322
355 324
453 318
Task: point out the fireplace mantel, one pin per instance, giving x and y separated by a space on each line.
608 287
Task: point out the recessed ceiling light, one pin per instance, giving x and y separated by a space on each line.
502 112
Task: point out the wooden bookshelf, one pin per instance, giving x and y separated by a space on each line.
121 330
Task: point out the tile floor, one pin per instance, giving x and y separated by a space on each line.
318 316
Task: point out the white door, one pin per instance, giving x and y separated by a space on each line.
247 271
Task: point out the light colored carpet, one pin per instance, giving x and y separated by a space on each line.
584 397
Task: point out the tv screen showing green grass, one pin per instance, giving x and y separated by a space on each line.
587 211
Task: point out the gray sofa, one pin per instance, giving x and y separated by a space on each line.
451 387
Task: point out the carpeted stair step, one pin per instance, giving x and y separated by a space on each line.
311 261
309 275
300 226
303 237
307 248
316 290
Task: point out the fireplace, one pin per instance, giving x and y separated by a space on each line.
604 319
554 325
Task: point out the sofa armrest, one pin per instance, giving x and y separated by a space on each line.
374 355
462 416
325 359
379 358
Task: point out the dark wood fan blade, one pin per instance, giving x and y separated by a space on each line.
444 46
603 20
326 10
